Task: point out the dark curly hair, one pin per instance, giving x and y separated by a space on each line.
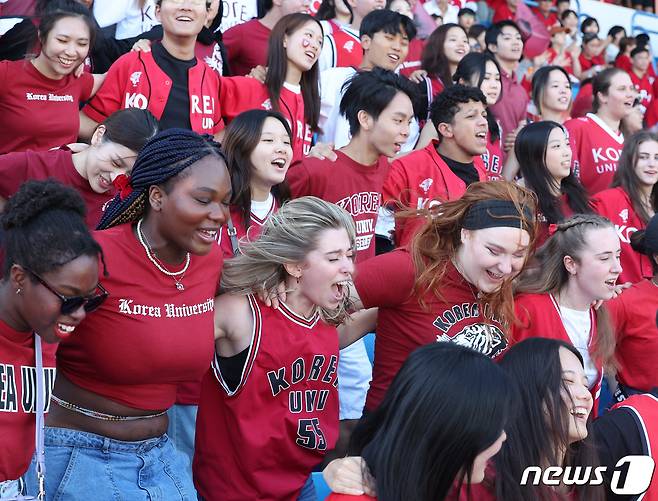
45 228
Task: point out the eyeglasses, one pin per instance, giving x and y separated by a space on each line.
73 303
193 2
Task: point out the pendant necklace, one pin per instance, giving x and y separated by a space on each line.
176 275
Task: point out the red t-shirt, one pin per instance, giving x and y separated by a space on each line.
644 87
421 179
414 56
346 497
624 62
18 398
596 149
136 81
251 233
552 55
634 316
148 336
353 186
246 44
539 316
493 158
548 21
387 281
263 439
586 64
502 12
615 204
238 94
16 168
37 112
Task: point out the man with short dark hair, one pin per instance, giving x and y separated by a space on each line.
641 60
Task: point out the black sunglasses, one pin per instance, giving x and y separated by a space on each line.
73 303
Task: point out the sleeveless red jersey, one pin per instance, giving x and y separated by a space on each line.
345 46
493 157
251 233
262 440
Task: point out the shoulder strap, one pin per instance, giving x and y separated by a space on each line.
233 235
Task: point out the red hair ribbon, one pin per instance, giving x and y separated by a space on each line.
552 228
122 183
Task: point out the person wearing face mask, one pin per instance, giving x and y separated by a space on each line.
169 80
448 165
118 377
577 266
291 83
91 171
596 140
542 150
269 404
40 98
385 37
50 283
632 200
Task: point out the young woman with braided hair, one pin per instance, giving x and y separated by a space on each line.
50 283
576 268
118 377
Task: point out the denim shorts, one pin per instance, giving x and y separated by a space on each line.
10 489
84 466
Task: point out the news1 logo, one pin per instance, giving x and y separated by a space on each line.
630 477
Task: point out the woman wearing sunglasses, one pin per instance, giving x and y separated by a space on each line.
50 283
105 435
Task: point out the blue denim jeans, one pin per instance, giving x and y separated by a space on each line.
182 425
81 466
10 489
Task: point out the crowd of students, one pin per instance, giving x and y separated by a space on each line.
202 227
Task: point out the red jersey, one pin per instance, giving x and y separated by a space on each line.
548 21
136 81
387 281
421 179
251 233
37 112
615 204
414 57
644 408
586 64
238 94
246 45
567 57
147 337
634 317
353 186
644 87
263 439
624 62
493 158
16 168
596 149
18 398
539 316
344 45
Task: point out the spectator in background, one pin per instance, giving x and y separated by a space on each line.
569 20
505 43
551 94
641 60
558 54
504 10
634 121
443 8
466 18
623 59
545 12
246 43
562 5
476 35
131 17
589 25
615 34
590 59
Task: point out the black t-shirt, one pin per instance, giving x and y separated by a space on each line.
617 434
466 172
177 110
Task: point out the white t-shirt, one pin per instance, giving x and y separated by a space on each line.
262 209
450 15
578 325
131 20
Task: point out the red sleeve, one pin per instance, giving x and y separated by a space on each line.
617 309
236 95
232 39
299 180
396 185
13 172
385 280
108 98
522 328
4 65
87 85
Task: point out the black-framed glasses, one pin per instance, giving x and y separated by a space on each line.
72 303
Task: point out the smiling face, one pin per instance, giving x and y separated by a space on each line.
41 308
106 160
491 85
618 102
385 50
557 93
304 45
196 205
272 155
456 45
646 165
576 397
468 128
182 19
594 271
327 269
489 256
509 45
558 154
388 133
65 47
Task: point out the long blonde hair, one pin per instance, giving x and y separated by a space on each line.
287 238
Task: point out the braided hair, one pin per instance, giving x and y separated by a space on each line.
163 157
45 228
